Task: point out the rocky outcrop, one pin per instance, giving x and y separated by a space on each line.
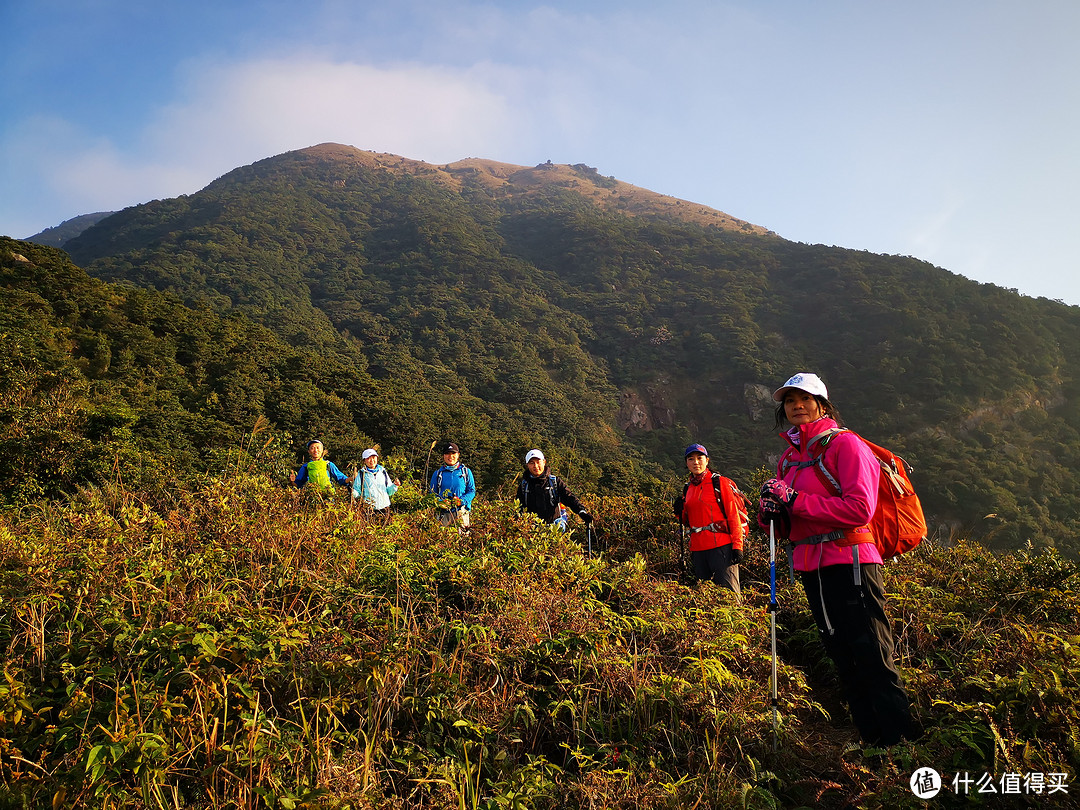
648 407
645 409
759 401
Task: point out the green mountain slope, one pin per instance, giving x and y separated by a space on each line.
68 229
103 382
555 305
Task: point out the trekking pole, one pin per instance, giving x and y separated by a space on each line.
682 559
772 617
588 537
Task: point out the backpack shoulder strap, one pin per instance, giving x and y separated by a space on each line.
718 482
816 447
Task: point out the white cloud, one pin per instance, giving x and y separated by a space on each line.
54 166
232 115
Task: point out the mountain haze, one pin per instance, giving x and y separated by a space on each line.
506 306
67 230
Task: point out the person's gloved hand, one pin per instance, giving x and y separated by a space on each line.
677 507
780 490
736 555
769 508
586 518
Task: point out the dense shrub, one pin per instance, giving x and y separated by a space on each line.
241 645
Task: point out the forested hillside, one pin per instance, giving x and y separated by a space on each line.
505 306
67 230
101 382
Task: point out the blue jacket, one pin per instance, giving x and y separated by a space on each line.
456 482
374 486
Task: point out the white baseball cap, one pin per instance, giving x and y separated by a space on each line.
810 383
369 453
533 454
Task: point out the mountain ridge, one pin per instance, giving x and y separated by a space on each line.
607 192
57 235
529 297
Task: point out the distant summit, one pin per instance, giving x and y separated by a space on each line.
607 193
68 229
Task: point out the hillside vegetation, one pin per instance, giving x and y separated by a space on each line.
182 630
101 379
507 307
67 230
240 645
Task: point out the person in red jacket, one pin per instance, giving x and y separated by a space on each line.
835 555
709 507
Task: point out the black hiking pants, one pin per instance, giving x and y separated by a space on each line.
858 638
715 564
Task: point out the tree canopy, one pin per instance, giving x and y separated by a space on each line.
404 303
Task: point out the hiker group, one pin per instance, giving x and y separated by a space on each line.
453 485
843 504
370 486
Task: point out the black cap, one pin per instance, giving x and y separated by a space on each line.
450 447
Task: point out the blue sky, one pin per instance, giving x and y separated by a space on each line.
945 130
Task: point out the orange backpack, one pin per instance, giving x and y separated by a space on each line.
898 523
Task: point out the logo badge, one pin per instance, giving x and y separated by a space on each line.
926 783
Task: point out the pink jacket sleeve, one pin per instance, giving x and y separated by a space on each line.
853 465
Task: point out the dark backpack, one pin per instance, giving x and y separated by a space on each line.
552 490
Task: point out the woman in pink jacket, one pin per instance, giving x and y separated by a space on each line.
834 551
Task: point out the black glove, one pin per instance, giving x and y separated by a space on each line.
677 507
586 518
736 555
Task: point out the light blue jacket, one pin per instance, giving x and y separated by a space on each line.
374 486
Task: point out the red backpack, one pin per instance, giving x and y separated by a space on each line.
898 523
